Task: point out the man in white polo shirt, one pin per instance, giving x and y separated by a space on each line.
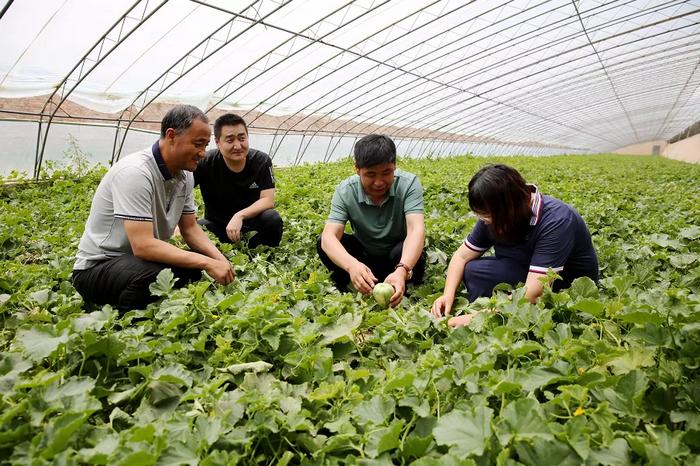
135 210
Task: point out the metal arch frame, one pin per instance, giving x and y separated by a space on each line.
422 78
119 144
253 23
573 81
345 50
80 68
401 135
600 60
675 103
414 129
530 64
294 35
442 72
476 116
5 8
522 88
533 126
679 95
392 70
533 98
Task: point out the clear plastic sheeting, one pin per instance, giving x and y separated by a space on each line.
524 75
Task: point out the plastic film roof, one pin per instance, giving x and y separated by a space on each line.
575 75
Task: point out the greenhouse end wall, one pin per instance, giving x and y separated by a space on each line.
686 150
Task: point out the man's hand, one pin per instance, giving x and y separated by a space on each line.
233 229
362 277
221 271
442 306
397 279
460 321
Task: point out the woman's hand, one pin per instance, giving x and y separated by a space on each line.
442 306
460 321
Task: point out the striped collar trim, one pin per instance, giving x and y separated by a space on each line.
155 148
536 205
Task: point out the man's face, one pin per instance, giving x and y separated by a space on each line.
233 143
377 179
189 146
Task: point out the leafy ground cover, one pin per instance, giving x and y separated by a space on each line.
280 368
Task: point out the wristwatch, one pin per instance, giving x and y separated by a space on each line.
409 271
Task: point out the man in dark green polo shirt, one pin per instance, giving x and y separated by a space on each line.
385 208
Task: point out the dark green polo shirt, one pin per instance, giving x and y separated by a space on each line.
377 227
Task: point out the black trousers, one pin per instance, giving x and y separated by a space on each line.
381 266
268 226
123 281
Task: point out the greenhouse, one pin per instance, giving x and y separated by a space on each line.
310 232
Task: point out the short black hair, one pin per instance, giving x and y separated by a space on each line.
228 119
180 117
374 149
501 192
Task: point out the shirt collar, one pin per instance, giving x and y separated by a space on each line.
536 205
160 162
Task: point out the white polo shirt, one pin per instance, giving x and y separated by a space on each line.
139 188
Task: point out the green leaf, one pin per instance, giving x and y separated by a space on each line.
524 347
633 359
209 429
692 232
374 411
163 391
627 394
341 329
641 318
543 452
326 391
589 306
419 405
525 420
58 433
583 287
12 365
466 432
664 241
179 454
164 283
39 343
94 320
578 434
617 454
384 439
670 443
682 261
139 458
538 377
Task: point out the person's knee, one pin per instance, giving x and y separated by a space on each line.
271 219
272 225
